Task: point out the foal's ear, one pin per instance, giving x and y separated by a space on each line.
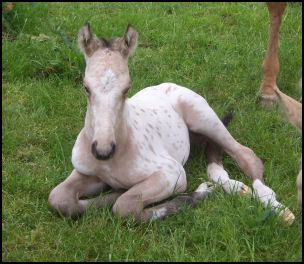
86 41
128 42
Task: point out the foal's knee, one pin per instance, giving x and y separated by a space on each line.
58 202
63 202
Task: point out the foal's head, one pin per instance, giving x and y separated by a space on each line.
106 83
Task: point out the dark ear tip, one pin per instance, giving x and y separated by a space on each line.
129 26
87 24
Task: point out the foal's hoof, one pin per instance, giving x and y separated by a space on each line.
245 191
267 100
237 187
287 216
206 188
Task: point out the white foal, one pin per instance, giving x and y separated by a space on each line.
138 146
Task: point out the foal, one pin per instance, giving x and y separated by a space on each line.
138 146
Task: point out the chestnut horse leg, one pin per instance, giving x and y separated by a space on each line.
270 66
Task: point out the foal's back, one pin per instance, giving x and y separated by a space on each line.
156 124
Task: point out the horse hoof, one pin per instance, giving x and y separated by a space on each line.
287 216
267 100
206 187
237 187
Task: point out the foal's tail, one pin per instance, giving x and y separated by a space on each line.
227 118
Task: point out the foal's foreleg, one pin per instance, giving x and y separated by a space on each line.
65 197
157 187
177 204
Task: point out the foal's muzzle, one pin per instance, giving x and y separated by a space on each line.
103 155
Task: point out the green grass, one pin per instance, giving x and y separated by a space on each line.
215 49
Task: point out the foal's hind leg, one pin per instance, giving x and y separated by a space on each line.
200 118
215 169
218 174
65 197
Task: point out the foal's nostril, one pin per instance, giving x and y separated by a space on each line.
93 148
102 155
113 145
94 145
